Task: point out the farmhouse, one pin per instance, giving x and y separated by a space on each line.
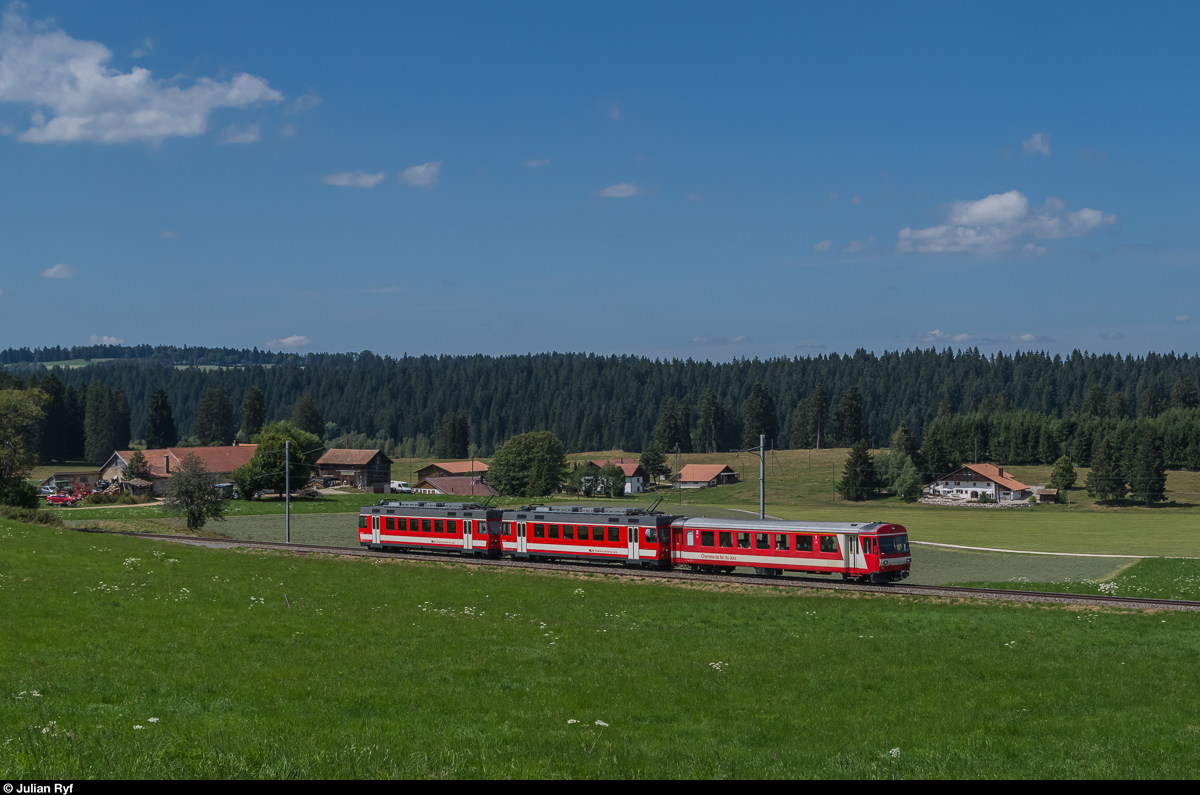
362 469
465 486
701 476
970 481
221 461
635 477
451 469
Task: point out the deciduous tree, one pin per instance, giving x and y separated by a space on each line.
190 491
529 465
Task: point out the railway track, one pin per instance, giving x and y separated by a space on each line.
738 579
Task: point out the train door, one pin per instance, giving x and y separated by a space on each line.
467 535
522 549
374 529
858 555
632 536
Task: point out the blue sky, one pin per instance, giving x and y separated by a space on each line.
669 179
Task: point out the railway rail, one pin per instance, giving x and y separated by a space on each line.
736 579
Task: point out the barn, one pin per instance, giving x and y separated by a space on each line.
702 476
362 469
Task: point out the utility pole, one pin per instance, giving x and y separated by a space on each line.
287 492
762 511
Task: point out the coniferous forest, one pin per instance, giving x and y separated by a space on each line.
1025 407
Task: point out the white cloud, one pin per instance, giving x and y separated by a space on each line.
855 246
169 234
234 134
294 341
539 163
622 190
1033 250
147 48
353 179
422 176
288 130
822 246
60 271
938 336
304 102
994 224
856 200
96 339
1182 318
1039 144
76 97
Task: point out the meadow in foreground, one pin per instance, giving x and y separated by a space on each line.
130 658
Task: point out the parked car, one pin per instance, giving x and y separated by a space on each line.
400 487
60 499
48 490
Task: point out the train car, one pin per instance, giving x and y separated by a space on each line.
874 551
632 536
462 527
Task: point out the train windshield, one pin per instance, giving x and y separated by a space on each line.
889 545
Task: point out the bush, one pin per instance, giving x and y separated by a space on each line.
116 499
20 494
30 516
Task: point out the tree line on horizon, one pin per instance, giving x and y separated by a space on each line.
1017 409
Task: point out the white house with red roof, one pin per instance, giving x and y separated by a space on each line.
702 476
635 477
970 481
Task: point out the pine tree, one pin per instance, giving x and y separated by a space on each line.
818 413
1183 394
160 423
908 483
801 437
1093 401
709 423
851 427
1149 405
98 437
452 439
904 441
1105 481
214 418
307 417
654 461
858 474
138 467
254 413
934 458
1063 476
1147 473
759 417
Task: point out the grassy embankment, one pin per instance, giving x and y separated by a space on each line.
398 669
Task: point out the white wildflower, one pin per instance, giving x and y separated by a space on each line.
602 724
136 726
895 753
153 720
572 720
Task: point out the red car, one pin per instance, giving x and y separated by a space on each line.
60 499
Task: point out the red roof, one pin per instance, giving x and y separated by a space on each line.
221 460
629 466
458 467
462 486
349 457
702 473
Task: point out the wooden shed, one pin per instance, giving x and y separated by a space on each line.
362 469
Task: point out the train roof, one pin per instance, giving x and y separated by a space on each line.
781 525
580 514
422 506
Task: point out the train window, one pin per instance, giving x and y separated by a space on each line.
781 541
691 538
426 526
651 535
439 526
706 538
804 544
363 522
553 528
451 526
725 539
507 528
583 533
614 535
743 541
829 544
890 544
569 531
762 540
539 531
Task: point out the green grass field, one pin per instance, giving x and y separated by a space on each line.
130 658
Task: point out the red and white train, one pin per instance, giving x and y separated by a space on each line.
870 551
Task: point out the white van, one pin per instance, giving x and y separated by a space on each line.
400 487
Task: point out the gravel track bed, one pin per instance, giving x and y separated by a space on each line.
729 579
